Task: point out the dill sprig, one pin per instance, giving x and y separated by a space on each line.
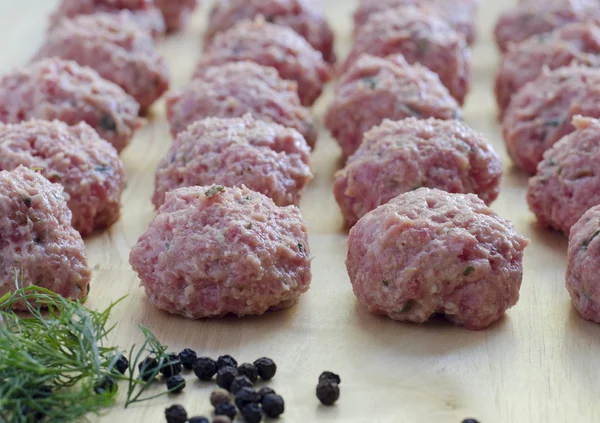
52 362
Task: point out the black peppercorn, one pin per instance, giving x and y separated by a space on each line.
188 358
251 413
176 414
175 384
226 409
148 368
226 360
246 396
219 396
171 365
328 392
205 368
265 391
330 376
122 364
249 370
106 384
273 405
266 368
198 419
470 421
238 383
225 376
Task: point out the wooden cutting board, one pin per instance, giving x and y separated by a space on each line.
535 365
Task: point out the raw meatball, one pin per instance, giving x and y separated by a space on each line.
460 14
237 88
541 113
420 38
428 252
541 16
143 12
59 89
266 157
86 166
299 15
374 89
176 12
584 265
271 45
401 156
577 44
567 182
116 48
212 251
37 242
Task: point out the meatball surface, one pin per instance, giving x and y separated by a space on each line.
272 45
421 38
541 113
400 156
88 168
573 44
584 264
52 89
237 88
374 89
299 15
567 182
265 157
115 47
428 252
37 242
143 12
212 251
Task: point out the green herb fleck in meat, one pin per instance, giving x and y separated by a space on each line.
468 271
38 240
410 111
554 123
249 226
54 177
107 123
385 282
217 189
27 201
408 306
587 242
300 247
422 46
103 168
370 82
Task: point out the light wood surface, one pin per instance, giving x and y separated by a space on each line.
535 365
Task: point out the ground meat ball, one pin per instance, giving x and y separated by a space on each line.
37 241
299 15
428 252
420 38
211 251
116 48
374 89
176 12
460 14
401 156
266 157
237 88
541 113
86 166
143 12
541 16
272 45
58 89
567 182
584 264
577 43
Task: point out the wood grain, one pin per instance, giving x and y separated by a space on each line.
538 364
